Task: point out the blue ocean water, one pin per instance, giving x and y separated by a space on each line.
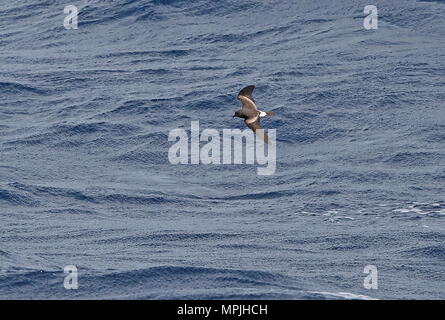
85 178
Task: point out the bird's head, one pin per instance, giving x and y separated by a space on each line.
237 114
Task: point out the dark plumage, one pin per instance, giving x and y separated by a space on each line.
250 113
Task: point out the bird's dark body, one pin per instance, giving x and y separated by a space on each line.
249 111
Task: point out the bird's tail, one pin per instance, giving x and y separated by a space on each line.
266 114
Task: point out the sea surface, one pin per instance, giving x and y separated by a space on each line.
85 178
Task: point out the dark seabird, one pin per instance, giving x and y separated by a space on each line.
250 113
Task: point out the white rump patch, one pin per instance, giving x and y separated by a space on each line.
263 114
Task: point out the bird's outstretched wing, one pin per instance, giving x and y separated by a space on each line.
245 96
254 124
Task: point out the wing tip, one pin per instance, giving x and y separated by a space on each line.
246 91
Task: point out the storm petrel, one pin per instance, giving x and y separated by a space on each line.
250 113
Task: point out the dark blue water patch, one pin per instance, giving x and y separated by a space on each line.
413 158
90 15
238 37
3 129
167 277
261 195
172 237
22 280
71 211
311 134
154 141
168 2
250 296
24 10
35 139
115 129
349 247
141 156
136 199
18 88
242 247
289 74
285 115
72 76
434 236
316 20
240 73
438 1
93 196
172 53
14 197
211 103
435 133
141 107
68 144
205 68
44 191
163 282
430 252
77 135
323 96
345 239
153 71
219 9
360 177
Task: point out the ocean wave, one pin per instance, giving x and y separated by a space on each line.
430 252
76 135
343 295
92 195
422 209
18 88
164 282
14 197
416 158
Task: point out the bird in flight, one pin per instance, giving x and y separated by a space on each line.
250 113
